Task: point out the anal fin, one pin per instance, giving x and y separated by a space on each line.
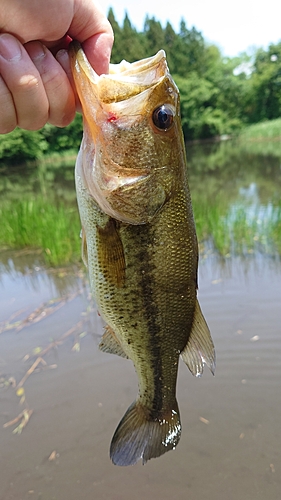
109 343
199 349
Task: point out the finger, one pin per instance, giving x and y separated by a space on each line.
8 116
62 57
56 84
57 45
24 83
91 27
98 51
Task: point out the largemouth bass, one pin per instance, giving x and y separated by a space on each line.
139 241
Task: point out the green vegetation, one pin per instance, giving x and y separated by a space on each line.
267 130
38 210
219 95
234 232
37 223
21 146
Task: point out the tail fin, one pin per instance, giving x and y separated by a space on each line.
138 436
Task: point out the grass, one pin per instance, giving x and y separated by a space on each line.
238 231
38 223
268 130
54 229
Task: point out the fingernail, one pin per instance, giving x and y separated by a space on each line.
62 56
36 50
10 48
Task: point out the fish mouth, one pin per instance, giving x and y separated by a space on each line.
115 164
124 79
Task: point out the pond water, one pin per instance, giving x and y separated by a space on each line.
72 396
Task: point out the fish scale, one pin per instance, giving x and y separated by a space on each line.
139 242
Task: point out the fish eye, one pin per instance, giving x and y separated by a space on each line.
163 117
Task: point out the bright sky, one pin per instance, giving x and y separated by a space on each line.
234 26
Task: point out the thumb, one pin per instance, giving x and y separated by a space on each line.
91 28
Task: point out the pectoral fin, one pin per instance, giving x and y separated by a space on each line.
109 343
199 349
111 253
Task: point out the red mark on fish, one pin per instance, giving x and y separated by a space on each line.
111 117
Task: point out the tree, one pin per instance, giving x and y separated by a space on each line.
190 50
154 35
170 38
117 45
264 96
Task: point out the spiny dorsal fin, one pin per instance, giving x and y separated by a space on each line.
111 253
109 343
138 436
199 349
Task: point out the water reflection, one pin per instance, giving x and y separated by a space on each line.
31 269
53 179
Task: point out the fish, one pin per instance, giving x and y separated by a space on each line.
139 241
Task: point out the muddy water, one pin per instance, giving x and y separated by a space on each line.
230 445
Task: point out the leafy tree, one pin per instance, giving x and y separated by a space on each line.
170 40
154 35
20 146
196 97
62 139
232 87
128 43
264 92
117 45
189 51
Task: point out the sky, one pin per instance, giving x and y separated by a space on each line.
234 26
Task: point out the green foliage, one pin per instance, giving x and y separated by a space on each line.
20 146
128 43
232 231
264 130
35 222
264 93
201 118
62 139
154 35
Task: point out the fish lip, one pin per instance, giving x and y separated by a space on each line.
138 76
120 70
126 69
80 61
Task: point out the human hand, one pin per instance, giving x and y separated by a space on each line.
35 77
